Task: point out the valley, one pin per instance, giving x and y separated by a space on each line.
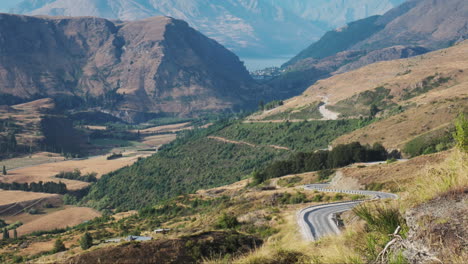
136 138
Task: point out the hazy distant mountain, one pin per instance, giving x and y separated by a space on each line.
249 27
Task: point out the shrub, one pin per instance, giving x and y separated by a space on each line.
86 241
59 246
380 219
227 221
114 156
325 174
461 132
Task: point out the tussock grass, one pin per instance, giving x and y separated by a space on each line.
436 180
382 218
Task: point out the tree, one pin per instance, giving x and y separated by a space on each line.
4 170
373 110
15 234
461 132
261 105
59 246
86 241
6 234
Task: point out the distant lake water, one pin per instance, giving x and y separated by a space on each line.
253 64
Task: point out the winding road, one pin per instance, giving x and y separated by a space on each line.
320 220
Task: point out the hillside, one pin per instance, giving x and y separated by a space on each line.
411 96
250 28
411 29
30 127
132 70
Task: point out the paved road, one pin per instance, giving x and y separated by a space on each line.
318 221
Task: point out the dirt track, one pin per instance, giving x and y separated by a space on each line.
225 140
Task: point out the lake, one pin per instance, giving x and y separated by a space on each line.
253 64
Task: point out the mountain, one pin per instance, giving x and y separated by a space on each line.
418 25
413 99
248 27
158 65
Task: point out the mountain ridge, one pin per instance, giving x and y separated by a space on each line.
157 65
249 27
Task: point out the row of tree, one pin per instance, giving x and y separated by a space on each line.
340 156
6 234
47 187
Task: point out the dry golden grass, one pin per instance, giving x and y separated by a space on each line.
11 197
390 74
46 172
159 140
34 159
438 179
395 131
393 174
70 216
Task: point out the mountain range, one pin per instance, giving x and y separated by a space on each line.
248 27
413 28
158 65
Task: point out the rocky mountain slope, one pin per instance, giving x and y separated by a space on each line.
158 65
413 28
249 27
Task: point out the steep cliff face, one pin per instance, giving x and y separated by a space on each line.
157 65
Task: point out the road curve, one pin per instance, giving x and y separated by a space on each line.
319 220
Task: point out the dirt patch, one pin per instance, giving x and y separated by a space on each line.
345 183
60 219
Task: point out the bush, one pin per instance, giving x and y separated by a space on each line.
227 221
325 174
59 246
114 156
381 219
461 132
86 241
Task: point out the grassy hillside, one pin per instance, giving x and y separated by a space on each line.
222 154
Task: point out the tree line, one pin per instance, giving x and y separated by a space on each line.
340 156
47 187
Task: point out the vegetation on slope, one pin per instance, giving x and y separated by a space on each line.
340 156
298 136
195 161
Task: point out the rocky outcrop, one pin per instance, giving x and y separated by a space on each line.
158 65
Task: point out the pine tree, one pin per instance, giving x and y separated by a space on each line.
4 170
86 241
59 246
6 234
15 234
